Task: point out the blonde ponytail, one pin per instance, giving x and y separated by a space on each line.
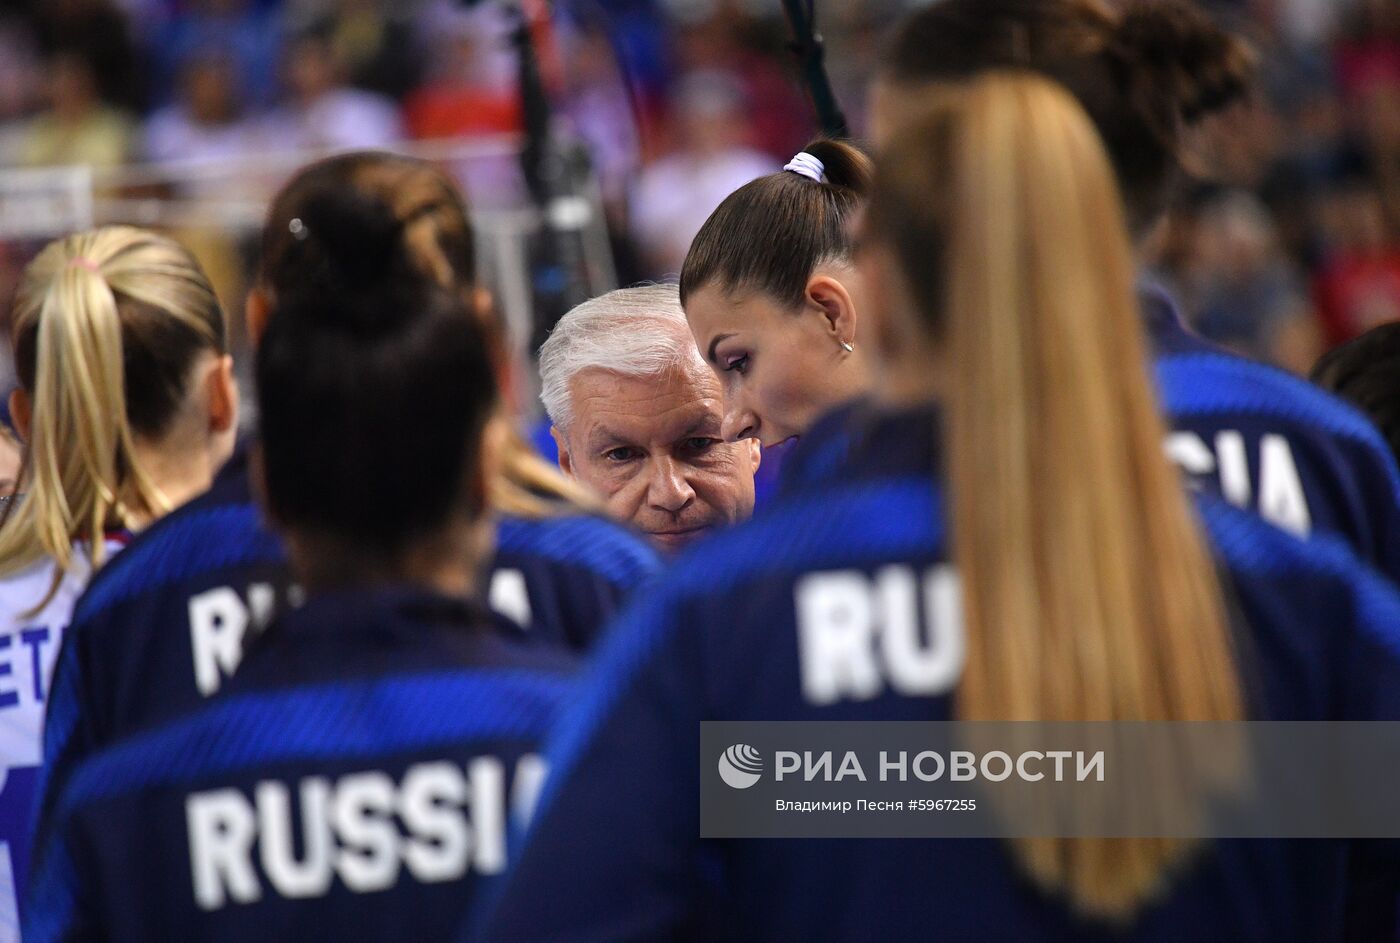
79 299
1090 594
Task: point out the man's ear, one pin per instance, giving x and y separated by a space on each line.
222 390
256 307
566 460
833 299
755 451
20 412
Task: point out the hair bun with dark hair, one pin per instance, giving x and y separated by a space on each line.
1179 49
352 255
845 165
360 236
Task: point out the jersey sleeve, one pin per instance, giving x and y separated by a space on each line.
69 731
613 846
57 911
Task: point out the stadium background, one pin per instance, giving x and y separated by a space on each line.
186 115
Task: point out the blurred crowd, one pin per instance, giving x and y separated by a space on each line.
1293 245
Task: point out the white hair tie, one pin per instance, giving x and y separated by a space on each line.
808 166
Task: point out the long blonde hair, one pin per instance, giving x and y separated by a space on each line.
87 306
1090 594
440 241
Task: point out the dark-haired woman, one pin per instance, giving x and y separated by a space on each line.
163 631
772 296
1006 542
1365 371
357 777
1148 72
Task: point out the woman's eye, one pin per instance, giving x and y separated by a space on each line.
738 364
621 454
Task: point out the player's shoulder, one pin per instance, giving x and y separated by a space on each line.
325 722
837 524
1250 547
582 540
1215 381
196 538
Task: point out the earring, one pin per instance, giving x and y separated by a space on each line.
848 348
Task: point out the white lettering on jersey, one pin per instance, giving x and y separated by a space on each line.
858 634
219 620
437 823
222 828
509 596
1281 500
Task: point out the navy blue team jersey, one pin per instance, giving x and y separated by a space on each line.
732 633
1262 438
166 624
356 780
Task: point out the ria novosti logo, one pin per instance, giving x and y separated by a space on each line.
740 766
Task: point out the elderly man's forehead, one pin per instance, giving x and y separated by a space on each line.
678 401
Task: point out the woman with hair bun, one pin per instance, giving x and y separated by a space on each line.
773 299
381 735
1005 542
1149 73
127 407
168 624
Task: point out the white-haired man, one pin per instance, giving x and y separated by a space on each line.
637 412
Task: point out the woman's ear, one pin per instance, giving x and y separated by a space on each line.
20 412
833 299
222 391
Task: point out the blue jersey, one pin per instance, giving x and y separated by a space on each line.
164 628
720 638
1263 439
356 780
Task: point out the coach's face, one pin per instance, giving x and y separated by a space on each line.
651 447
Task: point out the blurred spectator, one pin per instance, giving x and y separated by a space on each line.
1240 289
675 195
321 111
755 53
374 41
602 115
1359 286
76 128
247 34
471 86
207 122
97 32
21 85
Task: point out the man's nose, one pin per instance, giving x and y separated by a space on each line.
668 488
739 423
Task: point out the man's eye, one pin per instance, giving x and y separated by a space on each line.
738 364
623 453
700 444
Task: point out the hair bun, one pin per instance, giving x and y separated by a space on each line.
1185 54
843 164
351 254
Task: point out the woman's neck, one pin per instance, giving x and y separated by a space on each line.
177 475
448 563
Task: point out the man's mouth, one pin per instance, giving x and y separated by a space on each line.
677 537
